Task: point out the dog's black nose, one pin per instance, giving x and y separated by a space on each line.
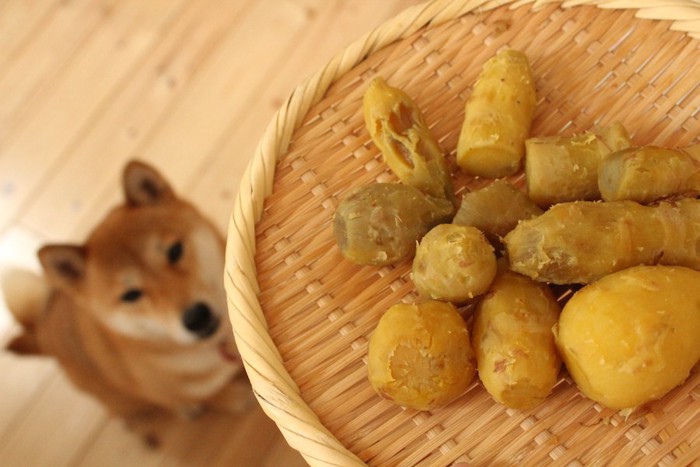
199 320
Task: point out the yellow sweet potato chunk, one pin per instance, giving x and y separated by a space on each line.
632 336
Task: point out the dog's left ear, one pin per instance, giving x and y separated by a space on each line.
143 185
64 265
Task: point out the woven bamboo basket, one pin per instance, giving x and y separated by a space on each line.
302 315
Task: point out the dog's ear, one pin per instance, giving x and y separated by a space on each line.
64 265
143 185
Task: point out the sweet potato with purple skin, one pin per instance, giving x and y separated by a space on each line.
380 223
495 210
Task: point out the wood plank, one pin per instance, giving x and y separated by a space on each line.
220 98
208 441
104 62
116 446
24 379
28 74
203 111
20 22
92 167
55 429
249 445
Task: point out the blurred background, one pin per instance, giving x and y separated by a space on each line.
185 85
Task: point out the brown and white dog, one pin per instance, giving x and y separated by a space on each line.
137 315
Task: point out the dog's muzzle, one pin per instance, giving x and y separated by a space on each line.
199 320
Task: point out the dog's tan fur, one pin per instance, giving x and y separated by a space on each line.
112 311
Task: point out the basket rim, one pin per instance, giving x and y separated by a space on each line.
273 386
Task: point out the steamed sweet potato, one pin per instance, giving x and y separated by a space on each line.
381 223
559 169
399 130
420 356
582 241
632 336
516 356
497 117
453 263
648 173
495 210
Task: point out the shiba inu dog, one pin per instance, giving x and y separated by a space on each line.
136 316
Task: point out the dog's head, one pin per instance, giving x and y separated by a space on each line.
152 270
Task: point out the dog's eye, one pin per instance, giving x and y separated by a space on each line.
132 295
175 252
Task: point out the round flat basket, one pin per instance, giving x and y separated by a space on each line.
302 314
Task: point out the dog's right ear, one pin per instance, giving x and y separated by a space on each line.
64 265
143 185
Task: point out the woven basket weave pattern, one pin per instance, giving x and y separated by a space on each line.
303 332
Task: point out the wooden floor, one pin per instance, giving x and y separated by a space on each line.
187 85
